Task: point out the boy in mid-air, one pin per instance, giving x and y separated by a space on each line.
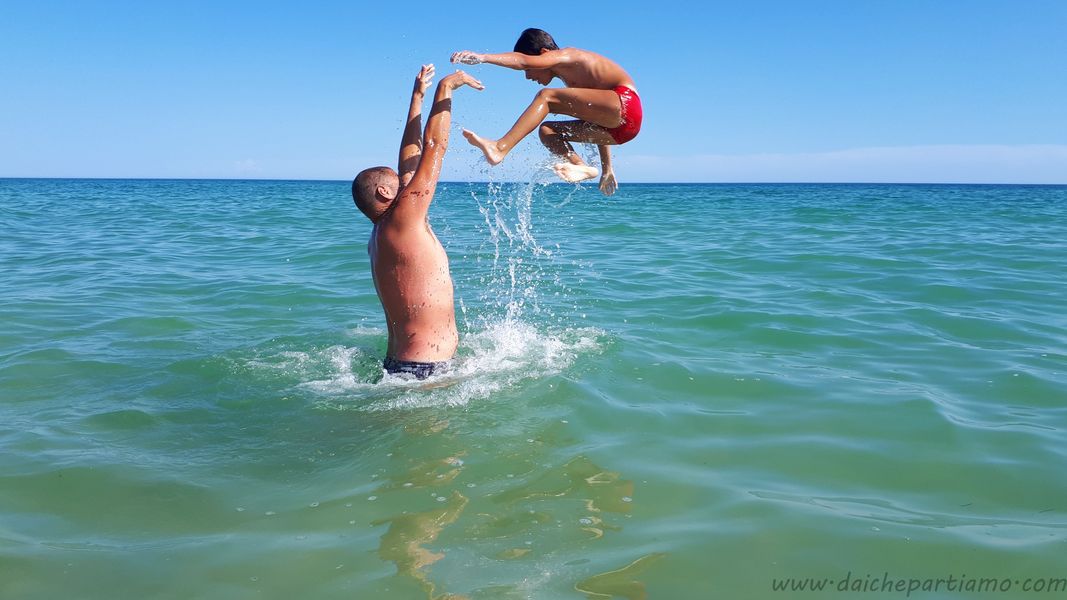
599 93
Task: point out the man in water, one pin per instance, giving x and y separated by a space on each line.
598 92
409 265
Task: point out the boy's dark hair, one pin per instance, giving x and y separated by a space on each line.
533 40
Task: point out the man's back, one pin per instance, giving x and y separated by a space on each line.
411 275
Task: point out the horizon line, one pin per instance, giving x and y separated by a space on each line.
286 179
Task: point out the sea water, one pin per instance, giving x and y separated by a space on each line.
681 391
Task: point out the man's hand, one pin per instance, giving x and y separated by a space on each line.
467 57
460 79
423 79
608 185
410 142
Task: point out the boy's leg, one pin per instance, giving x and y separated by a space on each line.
598 107
557 137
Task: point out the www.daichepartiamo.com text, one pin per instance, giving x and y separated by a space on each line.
909 585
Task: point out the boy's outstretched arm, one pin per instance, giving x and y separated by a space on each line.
514 60
411 142
414 200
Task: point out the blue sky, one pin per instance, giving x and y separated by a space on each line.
878 90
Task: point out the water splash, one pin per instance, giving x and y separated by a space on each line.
521 270
489 361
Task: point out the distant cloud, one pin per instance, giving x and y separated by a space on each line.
901 164
247 166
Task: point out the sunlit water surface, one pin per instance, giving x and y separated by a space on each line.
683 391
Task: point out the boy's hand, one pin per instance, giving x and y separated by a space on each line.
467 57
424 79
608 185
460 79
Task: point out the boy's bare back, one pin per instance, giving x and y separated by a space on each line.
585 69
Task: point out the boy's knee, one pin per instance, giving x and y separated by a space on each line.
546 95
546 132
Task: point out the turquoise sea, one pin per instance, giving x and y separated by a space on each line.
682 391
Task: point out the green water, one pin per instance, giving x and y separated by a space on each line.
680 392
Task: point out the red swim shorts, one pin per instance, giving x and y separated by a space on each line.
631 115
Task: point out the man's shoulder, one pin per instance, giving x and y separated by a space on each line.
418 189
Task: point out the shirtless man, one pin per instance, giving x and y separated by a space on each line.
409 264
599 93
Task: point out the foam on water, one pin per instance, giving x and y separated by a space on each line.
489 360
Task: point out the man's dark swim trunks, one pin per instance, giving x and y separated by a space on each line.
421 370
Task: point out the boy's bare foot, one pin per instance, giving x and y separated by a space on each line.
575 173
492 154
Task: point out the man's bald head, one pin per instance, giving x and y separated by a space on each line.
374 190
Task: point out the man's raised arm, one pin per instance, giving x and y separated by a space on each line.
411 143
414 200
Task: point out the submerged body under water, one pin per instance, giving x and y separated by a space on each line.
683 391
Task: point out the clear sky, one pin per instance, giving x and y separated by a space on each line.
820 90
